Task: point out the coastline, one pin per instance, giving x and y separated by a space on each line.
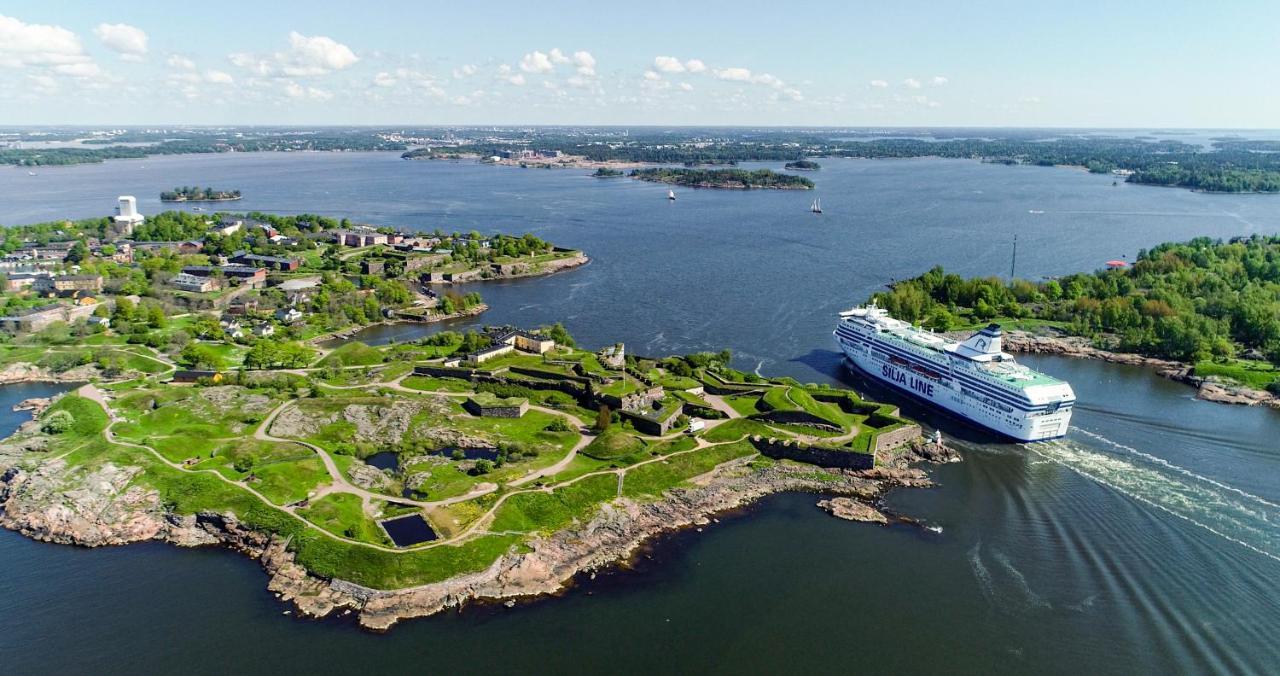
106 513
1207 389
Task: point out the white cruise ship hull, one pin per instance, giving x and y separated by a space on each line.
949 395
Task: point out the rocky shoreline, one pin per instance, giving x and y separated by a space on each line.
52 503
1208 389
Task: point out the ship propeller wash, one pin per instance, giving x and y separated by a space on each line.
975 379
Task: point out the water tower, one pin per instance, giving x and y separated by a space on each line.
127 214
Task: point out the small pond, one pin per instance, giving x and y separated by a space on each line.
409 530
469 453
384 460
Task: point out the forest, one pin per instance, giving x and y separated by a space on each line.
724 178
1197 301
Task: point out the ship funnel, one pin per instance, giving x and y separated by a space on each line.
983 343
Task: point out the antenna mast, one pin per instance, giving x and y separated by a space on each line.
1013 265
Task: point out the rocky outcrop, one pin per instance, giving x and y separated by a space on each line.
104 506
852 510
368 477
23 372
1208 389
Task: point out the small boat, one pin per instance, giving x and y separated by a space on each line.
671 195
1035 211
816 207
31 173
197 208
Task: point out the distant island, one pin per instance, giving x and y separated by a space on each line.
803 165
732 179
606 172
198 194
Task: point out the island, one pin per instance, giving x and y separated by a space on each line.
402 480
732 179
1203 312
222 291
608 172
198 194
803 165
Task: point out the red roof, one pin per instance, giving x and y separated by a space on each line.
1117 264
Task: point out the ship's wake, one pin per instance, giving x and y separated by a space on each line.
1228 512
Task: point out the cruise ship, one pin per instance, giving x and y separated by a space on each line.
974 379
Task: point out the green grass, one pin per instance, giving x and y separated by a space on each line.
653 479
426 384
1255 374
736 429
548 512
612 444
343 514
744 404
354 353
89 418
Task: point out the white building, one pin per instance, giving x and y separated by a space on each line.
127 213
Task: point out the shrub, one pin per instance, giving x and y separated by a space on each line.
57 422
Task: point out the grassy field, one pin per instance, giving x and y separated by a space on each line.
1255 374
354 353
548 512
343 514
613 444
653 479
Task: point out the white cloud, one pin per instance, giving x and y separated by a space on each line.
464 71
307 56
768 81
29 44
315 55
87 69
695 66
1029 99
938 81
536 62
557 57
879 84
384 79
43 84
733 74
218 77
911 83
585 62
296 91
668 64
129 41
651 76
180 61
506 72
686 87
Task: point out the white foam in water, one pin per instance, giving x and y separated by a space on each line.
1209 504
1181 470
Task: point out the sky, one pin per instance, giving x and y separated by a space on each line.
852 63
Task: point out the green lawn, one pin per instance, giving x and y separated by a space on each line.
655 478
354 353
613 444
548 512
1255 374
343 515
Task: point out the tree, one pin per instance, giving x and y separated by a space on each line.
603 418
558 333
57 422
78 252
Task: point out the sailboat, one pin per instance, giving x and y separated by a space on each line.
816 207
671 195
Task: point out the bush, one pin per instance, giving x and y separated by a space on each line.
57 422
558 425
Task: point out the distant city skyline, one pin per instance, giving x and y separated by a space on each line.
984 64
